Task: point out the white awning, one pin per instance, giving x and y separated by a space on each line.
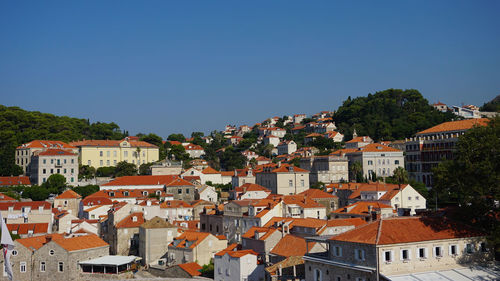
111 260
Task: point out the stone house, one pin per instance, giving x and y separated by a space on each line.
69 201
285 179
125 235
330 201
25 151
287 147
242 176
262 240
397 247
27 212
53 161
54 257
176 210
238 265
154 237
206 193
193 246
326 169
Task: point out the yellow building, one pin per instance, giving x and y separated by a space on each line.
103 153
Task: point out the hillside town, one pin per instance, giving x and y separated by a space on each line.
289 198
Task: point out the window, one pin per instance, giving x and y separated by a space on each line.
101 162
64 161
179 191
302 183
100 153
405 254
370 162
453 250
438 252
42 266
388 256
51 171
469 248
44 161
44 171
228 272
125 153
409 198
22 267
72 161
317 274
89 163
51 252
107 153
14 252
290 183
64 171
187 191
417 198
114 153
483 247
396 162
51 161
60 266
107 162
359 254
422 253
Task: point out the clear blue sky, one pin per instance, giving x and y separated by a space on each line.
183 66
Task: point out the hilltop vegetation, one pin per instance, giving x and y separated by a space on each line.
18 126
388 115
492 106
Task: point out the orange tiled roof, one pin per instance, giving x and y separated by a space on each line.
35 243
45 144
23 228
314 135
19 180
237 254
192 147
266 230
5 198
291 245
253 187
142 180
113 143
361 207
316 193
175 204
123 193
81 242
407 230
301 200
360 139
377 147
69 194
189 237
56 152
191 268
96 200
344 222
4 206
210 170
285 168
460 125
129 222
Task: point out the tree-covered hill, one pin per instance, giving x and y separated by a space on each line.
492 106
18 126
388 115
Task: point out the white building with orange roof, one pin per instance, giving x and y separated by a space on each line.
262 240
297 118
250 191
327 168
27 212
237 265
242 176
429 147
407 248
335 136
54 256
194 150
287 147
174 210
285 179
377 159
357 142
53 161
272 140
25 151
369 210
68 200
103 153
193 246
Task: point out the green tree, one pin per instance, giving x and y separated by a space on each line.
56 183
356 171
86 172
86 190
471 180
176 137
107 171
232 159
36 193
125 169
177 152
400 175
144 169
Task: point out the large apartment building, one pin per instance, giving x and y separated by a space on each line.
429 147
326 169
25 151
104 153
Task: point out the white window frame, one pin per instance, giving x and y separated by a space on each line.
426 255
440 250
456 250
473 248
391 257
22 267
408 256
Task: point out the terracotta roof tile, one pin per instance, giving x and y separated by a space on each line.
361 208
460 125
291 245
191 268
35 243
45 144
142 180
129 221
19 180
407 230
111 143
34 205
189 238
5 198
81 242
57 152
23 228
316 193
69 194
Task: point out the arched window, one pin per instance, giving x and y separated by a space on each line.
318 275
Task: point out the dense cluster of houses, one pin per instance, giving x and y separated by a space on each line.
270 225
